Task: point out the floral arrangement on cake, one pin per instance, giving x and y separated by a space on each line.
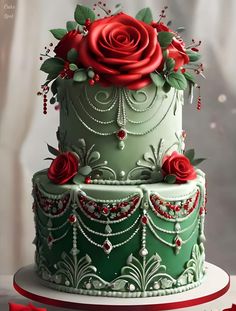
114 48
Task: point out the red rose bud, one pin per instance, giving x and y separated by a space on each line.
70 41
63 168
180 166
177 51
123 54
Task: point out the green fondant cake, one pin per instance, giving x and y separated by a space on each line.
120 211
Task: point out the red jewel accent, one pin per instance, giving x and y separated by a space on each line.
177 208
106 246
144 219
178 242
121 134
87 180
91 82
50 239
105 210
72 219
183 70
202 210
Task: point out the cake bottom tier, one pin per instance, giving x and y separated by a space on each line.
121 241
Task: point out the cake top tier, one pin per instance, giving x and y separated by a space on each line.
119 50
118 82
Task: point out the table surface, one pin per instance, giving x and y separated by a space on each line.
8 294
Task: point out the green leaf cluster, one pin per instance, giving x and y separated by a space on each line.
190 154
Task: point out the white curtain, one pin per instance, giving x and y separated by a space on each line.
24 130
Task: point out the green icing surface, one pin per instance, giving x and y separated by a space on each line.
90 117
75 261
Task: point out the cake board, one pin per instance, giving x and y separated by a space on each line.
215 284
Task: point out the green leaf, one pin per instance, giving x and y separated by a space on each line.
195 162
180 29
80 75
177 80
52 100
71 25
73 67
166 87
189 77
145 15
54 87
85 170
72 55
52 76
190 154
170 64
82 13
58 33
52 65
53 150
157 79
165 38
170 179
193 56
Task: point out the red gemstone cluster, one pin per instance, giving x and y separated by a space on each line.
51 206
114 211
184 209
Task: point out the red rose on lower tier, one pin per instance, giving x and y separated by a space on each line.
180 166
70 41
19 307
122 50
64 167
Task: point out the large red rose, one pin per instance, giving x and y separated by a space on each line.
64 167
70 41
176 49
122 49
180 166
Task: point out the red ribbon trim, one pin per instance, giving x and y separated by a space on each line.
100 307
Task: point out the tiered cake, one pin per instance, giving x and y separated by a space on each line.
120 211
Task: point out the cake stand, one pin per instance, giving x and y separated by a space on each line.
215 284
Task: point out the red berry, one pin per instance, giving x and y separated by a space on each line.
121 134
183 70
96 77
88 180
91 82
87 22
72 219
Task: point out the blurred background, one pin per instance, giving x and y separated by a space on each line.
24 130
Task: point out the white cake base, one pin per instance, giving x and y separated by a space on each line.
215 284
